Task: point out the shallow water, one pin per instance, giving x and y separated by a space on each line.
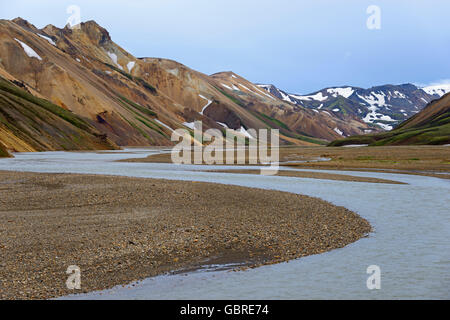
410 242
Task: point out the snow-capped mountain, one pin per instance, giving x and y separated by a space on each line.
439 89
385 106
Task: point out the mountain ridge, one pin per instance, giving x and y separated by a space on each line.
384 105
430 126
140 101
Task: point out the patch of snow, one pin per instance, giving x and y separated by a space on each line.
326 113
385 126
233 76
108 72
30 52
130 65
226 86
285 97
245 133
264 86
223 124
336 110
344 92
338 131
439 89
315 110
47 38
78 59
399 95
264 93
207 105
250 90
235 88
374 99
356 145
320 107
318 97
113 57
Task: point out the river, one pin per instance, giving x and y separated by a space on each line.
410 242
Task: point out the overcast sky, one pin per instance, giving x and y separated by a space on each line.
300 46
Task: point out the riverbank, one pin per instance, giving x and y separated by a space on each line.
313 175
433 161
119 230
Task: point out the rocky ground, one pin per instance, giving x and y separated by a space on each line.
119 230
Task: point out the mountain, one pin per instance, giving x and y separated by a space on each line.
29 123
296 122
429 126
134 101
3 152
385 106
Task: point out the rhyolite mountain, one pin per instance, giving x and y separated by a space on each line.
129 101
385 106
429 126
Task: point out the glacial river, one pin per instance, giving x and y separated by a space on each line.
410 242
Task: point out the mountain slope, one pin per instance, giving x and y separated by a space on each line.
294 121
140 101
29 123
385 106
3 152
430 126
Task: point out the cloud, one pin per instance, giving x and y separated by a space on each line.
434 83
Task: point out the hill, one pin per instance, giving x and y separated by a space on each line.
140 101
431 126
383 106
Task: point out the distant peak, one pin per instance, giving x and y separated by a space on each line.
23 23
93 30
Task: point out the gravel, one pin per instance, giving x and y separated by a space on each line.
119 230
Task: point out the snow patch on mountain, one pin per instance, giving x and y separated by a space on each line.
226 86
113 57
318 96
338 131
207 105
439 89
344 92
130 65
47 38
28 50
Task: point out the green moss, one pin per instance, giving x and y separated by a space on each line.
3 152
136 106
47 105
270 121
232 98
